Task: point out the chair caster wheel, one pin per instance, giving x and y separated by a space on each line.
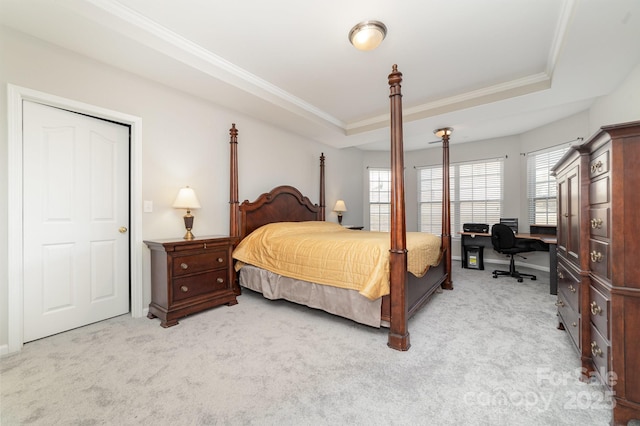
519 280
533 278
495 276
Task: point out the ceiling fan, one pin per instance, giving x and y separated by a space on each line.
441 133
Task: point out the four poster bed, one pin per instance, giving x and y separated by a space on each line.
401 284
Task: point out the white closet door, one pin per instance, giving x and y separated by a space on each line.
76 215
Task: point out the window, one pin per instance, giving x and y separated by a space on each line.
541 186
476 195
430 200
379 199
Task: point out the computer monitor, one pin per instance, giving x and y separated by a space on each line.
511 223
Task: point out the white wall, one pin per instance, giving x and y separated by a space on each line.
185 141
623 105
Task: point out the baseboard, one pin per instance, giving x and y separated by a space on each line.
506 262
4 350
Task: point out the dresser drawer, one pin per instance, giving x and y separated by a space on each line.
600 352
568 287
599 191
599 311
599 258
191 264
570 318
599 222
195 285
599 165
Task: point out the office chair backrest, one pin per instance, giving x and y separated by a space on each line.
510 222
502 237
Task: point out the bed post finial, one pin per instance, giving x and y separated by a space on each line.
395 78
323 204
398 328
234 225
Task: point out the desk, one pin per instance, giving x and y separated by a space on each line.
549 243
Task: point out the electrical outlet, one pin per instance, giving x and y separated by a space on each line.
148 206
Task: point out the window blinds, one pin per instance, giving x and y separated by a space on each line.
380 199
476 194
541 186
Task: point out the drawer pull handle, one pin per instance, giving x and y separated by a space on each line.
566 215
560 275
220 280
559 303
595 309
596 256
572 289
595 350
574 324
220 260
596 223
184 288
184 266
597 167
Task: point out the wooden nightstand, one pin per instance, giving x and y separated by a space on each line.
190 276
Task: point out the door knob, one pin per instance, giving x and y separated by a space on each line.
123 229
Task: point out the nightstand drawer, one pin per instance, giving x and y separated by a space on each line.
195 263
195 285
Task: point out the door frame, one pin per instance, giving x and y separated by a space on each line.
15 96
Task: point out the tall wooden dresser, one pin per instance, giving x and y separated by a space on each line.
599 260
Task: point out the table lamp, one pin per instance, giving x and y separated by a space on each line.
340 208
187 199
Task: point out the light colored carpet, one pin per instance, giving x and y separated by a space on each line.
486 353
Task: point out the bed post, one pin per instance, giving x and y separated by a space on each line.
234 225
398 328
322 194
446 212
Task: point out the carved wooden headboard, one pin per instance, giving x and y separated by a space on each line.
281 204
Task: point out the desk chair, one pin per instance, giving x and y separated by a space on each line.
504 241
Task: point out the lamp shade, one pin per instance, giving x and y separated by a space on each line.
186 199
340 206
367 35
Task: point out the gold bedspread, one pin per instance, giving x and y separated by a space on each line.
327 253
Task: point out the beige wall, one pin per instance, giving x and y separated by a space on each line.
185 141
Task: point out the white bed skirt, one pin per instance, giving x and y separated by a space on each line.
342 302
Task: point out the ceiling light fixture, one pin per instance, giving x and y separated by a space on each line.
367 35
